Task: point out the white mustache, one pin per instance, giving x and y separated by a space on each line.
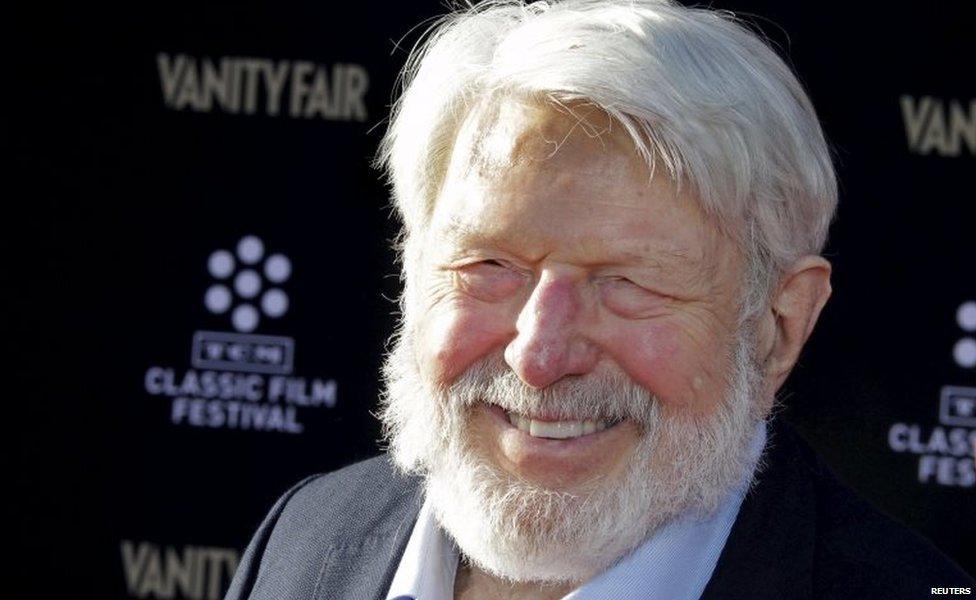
611 396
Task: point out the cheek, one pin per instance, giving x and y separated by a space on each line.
456 334
685 378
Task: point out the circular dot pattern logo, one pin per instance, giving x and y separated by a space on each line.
245 286
964 352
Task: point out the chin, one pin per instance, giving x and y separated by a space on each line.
523 531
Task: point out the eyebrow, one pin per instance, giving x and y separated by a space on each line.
459 230
463 232
659 257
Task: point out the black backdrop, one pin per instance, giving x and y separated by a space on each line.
161 399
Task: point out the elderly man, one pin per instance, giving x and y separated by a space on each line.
613 213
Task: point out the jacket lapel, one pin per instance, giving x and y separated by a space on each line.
362 567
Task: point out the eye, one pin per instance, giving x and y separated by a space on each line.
630 300
490 280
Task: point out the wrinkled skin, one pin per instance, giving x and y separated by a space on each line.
555 246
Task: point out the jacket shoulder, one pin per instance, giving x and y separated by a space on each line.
349 505
801 533
323 517
363 488
860 550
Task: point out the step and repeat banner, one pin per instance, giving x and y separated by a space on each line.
201 285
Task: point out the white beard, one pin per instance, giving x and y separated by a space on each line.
520 531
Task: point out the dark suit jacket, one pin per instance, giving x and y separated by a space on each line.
799 534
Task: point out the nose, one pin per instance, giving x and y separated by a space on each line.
550 340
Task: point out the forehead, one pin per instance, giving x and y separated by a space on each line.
503 137
537 176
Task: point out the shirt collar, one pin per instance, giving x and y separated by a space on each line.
676 562
429 562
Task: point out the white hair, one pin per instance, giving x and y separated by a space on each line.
695 90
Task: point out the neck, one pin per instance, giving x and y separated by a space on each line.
472 583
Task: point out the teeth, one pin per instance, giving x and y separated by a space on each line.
559 430
555 429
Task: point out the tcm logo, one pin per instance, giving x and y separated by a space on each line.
167 572
947 128
958 406
241 85
239 379
245 288
250 353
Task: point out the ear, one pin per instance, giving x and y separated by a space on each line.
800 296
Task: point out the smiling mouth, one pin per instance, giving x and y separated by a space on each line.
558 430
